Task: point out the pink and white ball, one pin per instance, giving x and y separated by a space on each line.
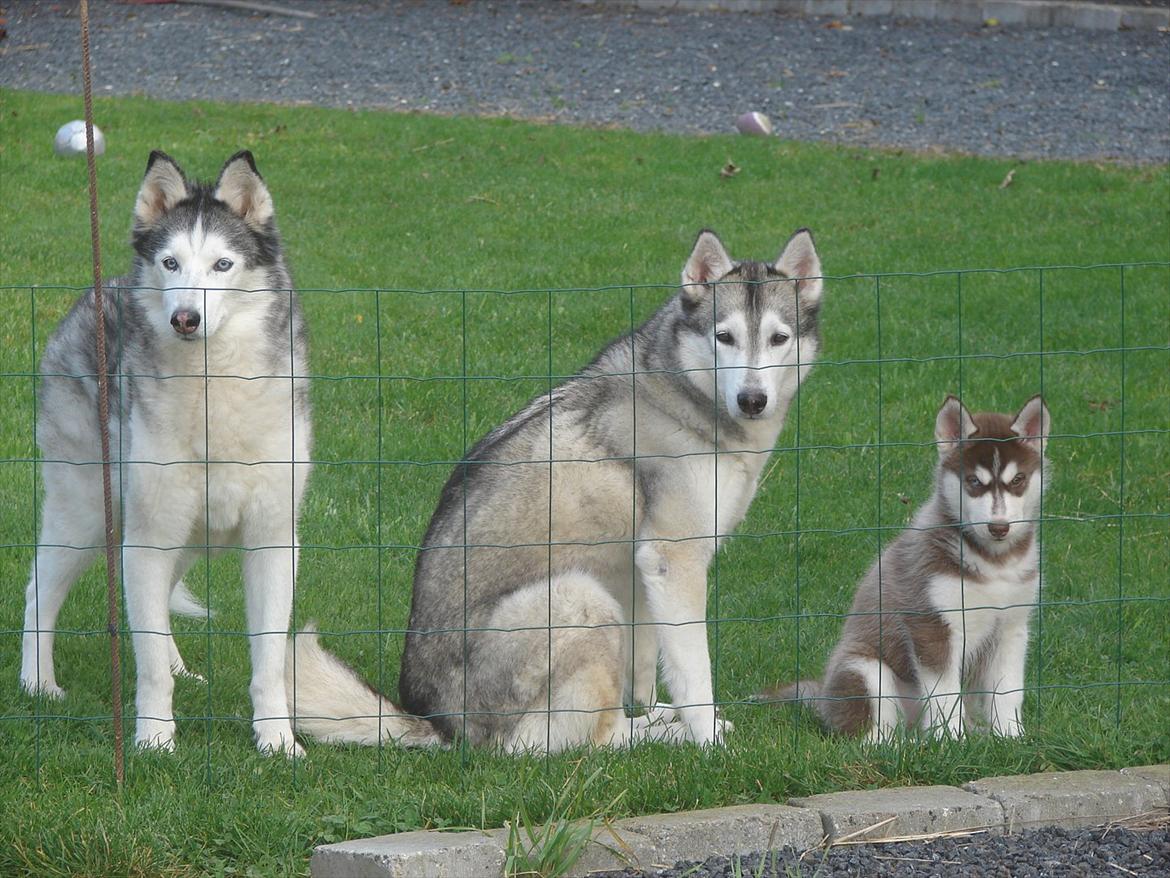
755 124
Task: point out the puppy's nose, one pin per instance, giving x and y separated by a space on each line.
185 322
998 530
752 402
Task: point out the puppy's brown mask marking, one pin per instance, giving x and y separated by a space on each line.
994 458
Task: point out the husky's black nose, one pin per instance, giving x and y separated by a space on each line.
752 402
998 531
185 322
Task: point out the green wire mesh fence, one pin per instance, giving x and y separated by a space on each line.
405 382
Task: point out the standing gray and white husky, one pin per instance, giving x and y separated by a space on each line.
210 435
569 551
938 631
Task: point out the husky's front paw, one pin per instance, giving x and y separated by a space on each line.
272 741
44 688
155 734
1007 728
711 731
283 747
661 713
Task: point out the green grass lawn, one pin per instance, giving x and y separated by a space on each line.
415 203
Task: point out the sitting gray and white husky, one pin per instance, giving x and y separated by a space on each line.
209 428
569 551
938 631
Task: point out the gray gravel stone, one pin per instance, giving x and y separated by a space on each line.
1046 853
910 83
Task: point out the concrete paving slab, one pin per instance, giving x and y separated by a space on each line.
1070 798
903 811
614 847
1157 774
697 835
411 855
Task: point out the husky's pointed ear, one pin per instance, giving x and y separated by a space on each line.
800 260
953 424
1033 424
163 186
707 263
242 189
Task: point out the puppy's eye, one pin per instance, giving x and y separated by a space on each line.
973 482
779 338
724 337
1018 480
223 264
170 263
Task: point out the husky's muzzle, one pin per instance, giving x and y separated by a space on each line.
752 402
998 529
185 321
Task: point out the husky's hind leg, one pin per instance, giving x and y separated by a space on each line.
860 697
559 662
184 603
69 541
640 640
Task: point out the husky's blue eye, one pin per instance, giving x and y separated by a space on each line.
974 482
223 265
724 337
779 338
170 264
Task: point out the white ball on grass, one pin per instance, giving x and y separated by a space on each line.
754 123
70 139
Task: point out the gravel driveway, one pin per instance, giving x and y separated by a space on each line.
1041 853
876 81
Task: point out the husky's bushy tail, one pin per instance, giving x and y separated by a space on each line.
183 603
802 693
330 702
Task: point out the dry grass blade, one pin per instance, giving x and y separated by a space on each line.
925 836
1158 818
859 833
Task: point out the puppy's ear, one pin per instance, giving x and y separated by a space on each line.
707 263
953 424
1033 424
799 260
242 189
163 186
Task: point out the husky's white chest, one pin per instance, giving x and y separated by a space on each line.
974 607
712 492
224 447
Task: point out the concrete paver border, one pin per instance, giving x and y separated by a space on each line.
996 805
1073 798
1008 13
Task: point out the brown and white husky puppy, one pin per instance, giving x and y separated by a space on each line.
938 631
